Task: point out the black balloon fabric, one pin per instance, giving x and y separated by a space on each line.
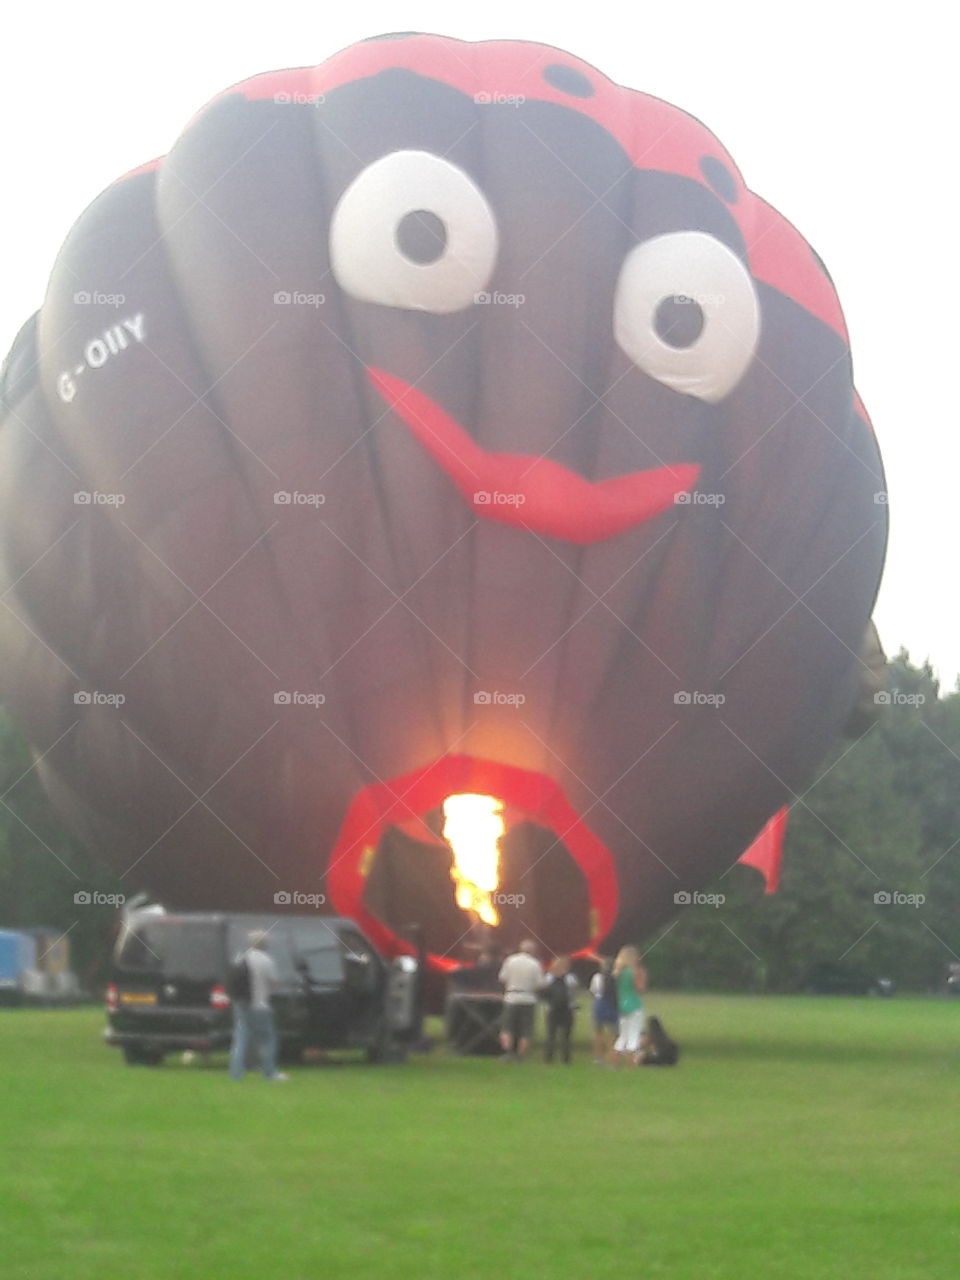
440 417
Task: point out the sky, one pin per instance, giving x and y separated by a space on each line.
836 113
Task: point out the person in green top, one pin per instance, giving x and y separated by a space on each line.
631 979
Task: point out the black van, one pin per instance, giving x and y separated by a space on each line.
168 986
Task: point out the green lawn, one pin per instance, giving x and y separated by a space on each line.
798 1138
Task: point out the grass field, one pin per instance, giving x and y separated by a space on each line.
798 1138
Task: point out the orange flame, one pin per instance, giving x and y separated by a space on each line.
472 826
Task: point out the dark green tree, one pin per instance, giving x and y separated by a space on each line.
43 868
871 878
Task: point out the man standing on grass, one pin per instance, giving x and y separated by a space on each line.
522 977
252 1013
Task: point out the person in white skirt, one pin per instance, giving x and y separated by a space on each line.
631 979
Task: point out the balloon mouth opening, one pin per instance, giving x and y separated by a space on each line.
394 868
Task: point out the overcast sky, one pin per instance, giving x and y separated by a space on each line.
837 113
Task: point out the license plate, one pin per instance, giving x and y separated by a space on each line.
138 997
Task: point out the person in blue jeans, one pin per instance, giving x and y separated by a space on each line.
253 1018
603 988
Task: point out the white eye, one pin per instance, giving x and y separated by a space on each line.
686 313
413 231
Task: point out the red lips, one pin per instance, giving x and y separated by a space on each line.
532 493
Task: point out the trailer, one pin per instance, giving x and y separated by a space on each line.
18 966
35 967
58 984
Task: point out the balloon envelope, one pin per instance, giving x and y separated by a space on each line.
440 418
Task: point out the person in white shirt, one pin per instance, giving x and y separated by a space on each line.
522 978
603 988
253 1017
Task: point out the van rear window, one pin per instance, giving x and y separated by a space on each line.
177 949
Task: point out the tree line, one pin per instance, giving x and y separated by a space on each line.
870 882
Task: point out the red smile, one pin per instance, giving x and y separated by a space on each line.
532 493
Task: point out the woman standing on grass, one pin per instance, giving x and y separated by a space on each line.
631 978
603 988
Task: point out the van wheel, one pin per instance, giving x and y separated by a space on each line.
138 1056
386 1050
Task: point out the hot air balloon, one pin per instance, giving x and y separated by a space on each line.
441 441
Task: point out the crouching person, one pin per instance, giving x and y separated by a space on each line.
657 1049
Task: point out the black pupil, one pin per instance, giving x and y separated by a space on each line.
679 320
421 236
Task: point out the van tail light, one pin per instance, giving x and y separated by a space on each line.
112 997
219 998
